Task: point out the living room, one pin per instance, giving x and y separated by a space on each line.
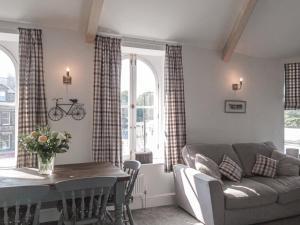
115 59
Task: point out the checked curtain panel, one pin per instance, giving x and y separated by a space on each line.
175 128
292 86
107 140
32 100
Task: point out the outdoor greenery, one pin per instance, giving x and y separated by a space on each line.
292 118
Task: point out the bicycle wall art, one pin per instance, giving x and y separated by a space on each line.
73 109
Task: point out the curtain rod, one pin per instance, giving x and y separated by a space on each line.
140 40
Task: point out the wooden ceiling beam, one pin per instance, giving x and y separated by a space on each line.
93 21
238 28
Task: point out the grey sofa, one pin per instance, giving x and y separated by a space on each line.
255 200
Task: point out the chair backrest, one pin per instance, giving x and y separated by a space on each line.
85 200
132 167
21 205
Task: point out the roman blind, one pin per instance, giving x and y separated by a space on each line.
292 86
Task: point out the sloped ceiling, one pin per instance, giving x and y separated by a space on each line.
205 23
272 32
51 13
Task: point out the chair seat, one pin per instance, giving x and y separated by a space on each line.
288 188
248 193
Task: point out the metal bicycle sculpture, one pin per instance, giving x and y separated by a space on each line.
75 110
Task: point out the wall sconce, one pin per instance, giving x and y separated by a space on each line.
236 87
67 79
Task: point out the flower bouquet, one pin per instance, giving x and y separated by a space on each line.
46 144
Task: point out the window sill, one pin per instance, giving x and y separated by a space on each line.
153 164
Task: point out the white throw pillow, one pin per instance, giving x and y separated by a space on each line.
207 166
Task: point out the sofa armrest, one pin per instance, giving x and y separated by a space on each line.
200 195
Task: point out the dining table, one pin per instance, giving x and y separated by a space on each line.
12 177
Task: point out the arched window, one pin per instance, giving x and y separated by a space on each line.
140 107
8 94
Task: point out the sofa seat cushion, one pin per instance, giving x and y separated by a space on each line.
248 193
288 188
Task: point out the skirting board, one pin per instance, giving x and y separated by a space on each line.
52 214
153 201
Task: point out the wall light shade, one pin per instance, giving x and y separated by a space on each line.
67 79
236 87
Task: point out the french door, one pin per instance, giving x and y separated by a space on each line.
139 106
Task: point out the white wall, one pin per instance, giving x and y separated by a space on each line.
64 48
208 83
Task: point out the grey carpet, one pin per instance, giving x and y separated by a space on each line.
166 215
172 215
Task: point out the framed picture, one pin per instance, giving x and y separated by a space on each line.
235 106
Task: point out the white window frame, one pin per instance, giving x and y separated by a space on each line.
132 104
8 118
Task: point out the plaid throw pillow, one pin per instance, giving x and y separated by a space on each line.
264 166
230 169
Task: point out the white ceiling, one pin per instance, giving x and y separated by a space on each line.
206 23
51 13
273 30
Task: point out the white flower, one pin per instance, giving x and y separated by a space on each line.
61 136
54 134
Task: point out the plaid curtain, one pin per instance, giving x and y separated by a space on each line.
107 140
175 128
292 86
32 100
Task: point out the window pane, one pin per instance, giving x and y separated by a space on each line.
145 130
5 118
146 123
125 78
2 96
7 110
4 141
292 128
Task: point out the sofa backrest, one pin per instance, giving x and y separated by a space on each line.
247 154
212 151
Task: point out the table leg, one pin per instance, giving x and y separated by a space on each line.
119 202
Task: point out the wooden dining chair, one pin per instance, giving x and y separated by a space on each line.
132 167
84 200
21 205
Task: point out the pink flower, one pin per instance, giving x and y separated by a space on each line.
42 139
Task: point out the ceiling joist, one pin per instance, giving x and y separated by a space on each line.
238 28
94 17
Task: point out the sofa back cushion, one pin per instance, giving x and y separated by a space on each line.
212 151
247 154
288 165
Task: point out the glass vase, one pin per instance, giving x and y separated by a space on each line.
46 166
